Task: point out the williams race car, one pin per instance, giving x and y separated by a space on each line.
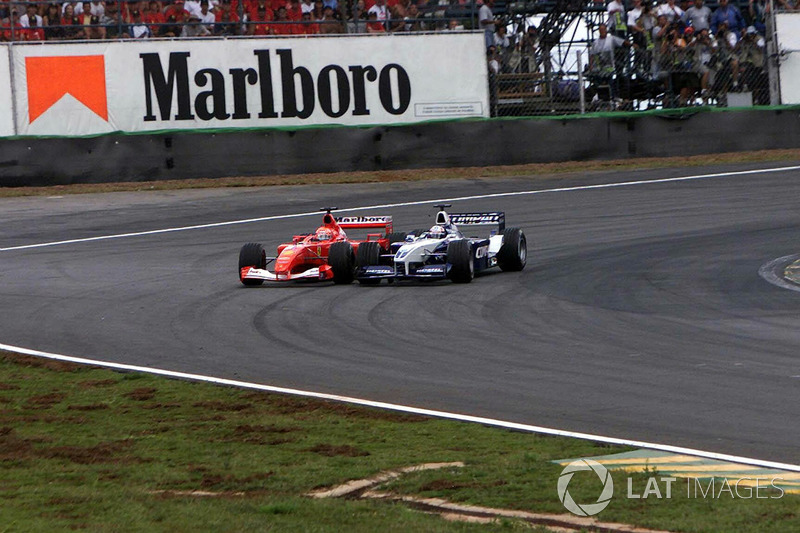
444 252
323 255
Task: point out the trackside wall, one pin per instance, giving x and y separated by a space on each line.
439 144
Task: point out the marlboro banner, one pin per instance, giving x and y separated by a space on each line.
138 86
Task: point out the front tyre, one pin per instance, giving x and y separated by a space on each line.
342 261
462 264
513 253
252 255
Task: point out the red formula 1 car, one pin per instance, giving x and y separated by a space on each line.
326 254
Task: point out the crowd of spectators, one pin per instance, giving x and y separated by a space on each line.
692 52
141 19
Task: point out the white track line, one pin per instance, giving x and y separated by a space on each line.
403 204
407 409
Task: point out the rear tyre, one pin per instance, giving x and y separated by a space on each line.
341 259
369 254
513 253
252 255
462 266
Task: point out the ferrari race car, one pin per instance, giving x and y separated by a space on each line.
444 252
323 255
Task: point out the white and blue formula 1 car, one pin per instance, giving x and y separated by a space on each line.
444 252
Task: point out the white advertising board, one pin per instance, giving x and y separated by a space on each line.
788 29
139 86
6 101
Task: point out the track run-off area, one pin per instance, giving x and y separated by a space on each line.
645 314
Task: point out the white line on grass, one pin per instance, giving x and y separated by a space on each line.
403 204
408 409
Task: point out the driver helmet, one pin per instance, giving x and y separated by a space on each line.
324 235
437 232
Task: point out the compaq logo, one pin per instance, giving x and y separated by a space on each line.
337 89
51 78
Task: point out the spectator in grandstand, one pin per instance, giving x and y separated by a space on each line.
329 23
226 20
725 63
397 15
502 45
193 7
138 29
282 26
704 47
257 26
751 56
679 56
31 17
729 14
319 10
486 22
33 30
357 17
601 53
660 65
112 22
307 6
528 46
380 10
412 20
493 60
294 11
52 22
673 13
91 24
72 26
641 22
373 24
308 26
207 18
758 11
333 4
12 29
698 16
98 9
154 17
615 19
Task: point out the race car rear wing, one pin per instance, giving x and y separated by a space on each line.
497 218
365 222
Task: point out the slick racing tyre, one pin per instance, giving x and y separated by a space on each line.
342 261
462 265
369 254
513 253
252 255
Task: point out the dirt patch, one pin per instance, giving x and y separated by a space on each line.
142 394
292 405
40 362
88 407
45 401
344 450
217 405
94 383
161 406
248 429
449 484
12 447
105 452
8 386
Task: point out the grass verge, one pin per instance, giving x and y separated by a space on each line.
533 170
88 448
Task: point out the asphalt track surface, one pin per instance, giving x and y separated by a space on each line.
641 313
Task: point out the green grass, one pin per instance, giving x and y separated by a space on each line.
91 449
